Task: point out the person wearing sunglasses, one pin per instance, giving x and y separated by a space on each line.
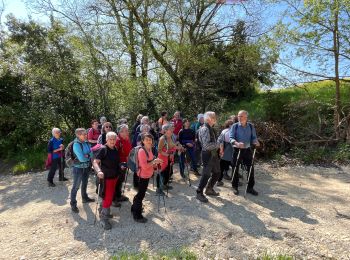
106 127
81 168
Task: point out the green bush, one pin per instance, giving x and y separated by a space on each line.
268 256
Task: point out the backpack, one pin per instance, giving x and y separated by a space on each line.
70 157
133 162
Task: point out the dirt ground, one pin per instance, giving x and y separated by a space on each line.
301 211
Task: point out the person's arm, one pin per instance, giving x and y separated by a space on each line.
144 164
204 137
232 135
79 153
97 162
161 145
254 137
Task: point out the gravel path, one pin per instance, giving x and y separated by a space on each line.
302 211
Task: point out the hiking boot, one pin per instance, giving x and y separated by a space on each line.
235 191
116 204
160 192
51 184
220 183
226 177
252 191
74 208
88 200
105 213
63 179
122 198
106 224
196 172
211 192
200 196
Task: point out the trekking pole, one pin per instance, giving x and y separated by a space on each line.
98 197
234 171
188 171
250 170
126 180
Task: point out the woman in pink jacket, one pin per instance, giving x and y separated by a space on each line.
147 163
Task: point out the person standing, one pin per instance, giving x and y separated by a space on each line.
56 148
123 146
198 148
135 126
226 152
107 166
81 168
147 163
93 133
103 120
177 122
242 137
210 156
107 127
187 139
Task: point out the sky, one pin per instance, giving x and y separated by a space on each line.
19 9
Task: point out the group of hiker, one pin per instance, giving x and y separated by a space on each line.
151 150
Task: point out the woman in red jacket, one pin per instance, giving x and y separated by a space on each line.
147 163
123 146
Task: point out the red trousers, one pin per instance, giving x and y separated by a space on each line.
109 192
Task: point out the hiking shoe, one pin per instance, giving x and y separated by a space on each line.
51 184
211 192
116 204
226 177
235 191
122 198
106 224
105 213
252 191
220 183
140 219
201 198
88 200
63 179
74 209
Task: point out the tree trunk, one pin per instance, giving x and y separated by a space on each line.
337 108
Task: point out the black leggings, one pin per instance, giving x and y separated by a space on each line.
224 167
137 202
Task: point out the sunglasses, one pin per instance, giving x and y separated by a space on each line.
108 126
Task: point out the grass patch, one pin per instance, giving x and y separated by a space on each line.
268 256
183 254
28 160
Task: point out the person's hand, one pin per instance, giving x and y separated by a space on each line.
189 145
221 153
257 144
123 167
100 175
172 157
239 145
61 147
157 161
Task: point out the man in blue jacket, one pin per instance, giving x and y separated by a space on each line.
81 168
242 137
